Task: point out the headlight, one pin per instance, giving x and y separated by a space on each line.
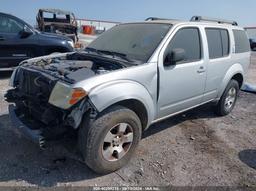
71 43
64 96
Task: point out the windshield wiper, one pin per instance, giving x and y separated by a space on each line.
111 53
118 54
89 49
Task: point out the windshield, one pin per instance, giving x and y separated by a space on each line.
135 41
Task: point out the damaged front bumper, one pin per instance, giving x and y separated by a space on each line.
37 106
40 133
33 135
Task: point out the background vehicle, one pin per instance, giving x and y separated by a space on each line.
57 21
251 32
130 77
20 41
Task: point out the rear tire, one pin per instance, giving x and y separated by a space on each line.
108 143
228 99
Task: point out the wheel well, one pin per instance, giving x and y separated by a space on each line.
239 78
138 108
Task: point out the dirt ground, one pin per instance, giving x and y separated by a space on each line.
196 148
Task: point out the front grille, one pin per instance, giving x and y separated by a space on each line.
34 85
34 89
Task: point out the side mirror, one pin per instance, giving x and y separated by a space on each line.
26 32
174 56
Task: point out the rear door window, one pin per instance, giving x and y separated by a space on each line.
241 41
214 43
225 42
218 42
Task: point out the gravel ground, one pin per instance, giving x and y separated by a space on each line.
196 148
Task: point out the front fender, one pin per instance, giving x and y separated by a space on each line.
233 70
110 93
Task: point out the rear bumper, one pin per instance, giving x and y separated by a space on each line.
33 135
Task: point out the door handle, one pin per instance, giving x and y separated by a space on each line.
201 70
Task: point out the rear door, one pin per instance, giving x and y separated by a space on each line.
13 48
219 59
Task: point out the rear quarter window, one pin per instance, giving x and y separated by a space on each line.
241 41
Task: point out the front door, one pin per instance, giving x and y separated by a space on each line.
182 85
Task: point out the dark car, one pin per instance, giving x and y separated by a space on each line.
20 41
251 32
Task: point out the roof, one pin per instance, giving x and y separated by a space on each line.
56 11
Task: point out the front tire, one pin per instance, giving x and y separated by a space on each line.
228 100
110 140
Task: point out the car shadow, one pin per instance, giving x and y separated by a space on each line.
22 160
204 111
248 157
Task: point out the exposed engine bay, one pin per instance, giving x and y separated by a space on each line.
75 67
34 83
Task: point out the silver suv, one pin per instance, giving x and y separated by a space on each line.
132 76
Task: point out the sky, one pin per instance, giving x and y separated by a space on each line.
242 11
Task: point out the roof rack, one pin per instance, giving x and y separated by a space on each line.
220 21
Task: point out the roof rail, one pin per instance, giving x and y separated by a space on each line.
155 19
220 21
